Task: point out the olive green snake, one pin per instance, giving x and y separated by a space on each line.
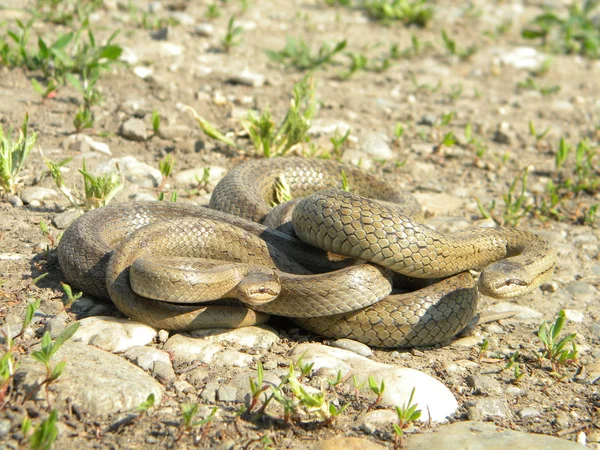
168 264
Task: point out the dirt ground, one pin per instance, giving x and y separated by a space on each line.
417 92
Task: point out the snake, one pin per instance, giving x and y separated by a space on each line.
356 264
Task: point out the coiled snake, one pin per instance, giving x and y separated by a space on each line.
132 253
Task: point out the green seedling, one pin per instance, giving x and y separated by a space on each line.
155 122
577 33
188 414
358 62
147 404
297 54
378 390
86 87
453 49
399 131
283 191
483 347
409 12
474 142
338 142
345 185
213 11
424 87
516 206
210 130
554 348
357 386
13 154
232 36
456 90
531 85
538 136
203 181
71 298
83 119
44 434
47 91
518 373
338 379
257 387
407 414
46 232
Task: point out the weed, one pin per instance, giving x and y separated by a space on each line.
83 119
210 130
71 298
297 54
44 434
518 373
531 85
155 122
538 136
357 386
515 202
232 36
47 91
554 349
147 404
338 142
203 181
483 347
378 390
474 142
283 191
256 387
407 414
188 414
212 11
577 33
410 12
453 49
13 154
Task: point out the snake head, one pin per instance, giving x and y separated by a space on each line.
505 279
258 288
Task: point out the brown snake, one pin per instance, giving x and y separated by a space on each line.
274 273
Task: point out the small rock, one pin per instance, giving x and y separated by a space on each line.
99 310
248 78
522 312
522 58
64 219
595 330
529 412
486 408
347 443
379 423
357 347
204 29
562 419
483 384
551 286
233 358
377 146
428 120
15 200
504 136
574 316
142 72
134 171
161 34
480 435
113 334
579 290
226 393
11 256
186 349
326 127
172 132
209 394
439 203
163 335
4 428
467 341
134 130
146 357
183 18
183 386
261 336
163 372
37 194
83 304
56 325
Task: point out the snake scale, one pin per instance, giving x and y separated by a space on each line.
138 255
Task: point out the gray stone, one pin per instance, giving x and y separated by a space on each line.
134 130
161 34
354 346
99 310
163 372
527 58
204 29
113 334
15 200
56 325
233 358
146 357
574 316
377 146
260 336
172 132
186 349
428 119
581 290
325 127
379 423
562 419
595 330
485 436
64 219
97 382
248 78
432 396
528 412
37 194
134 171
83 304
486 408
209 394
4 428
227 393
551 286
190 177
483 384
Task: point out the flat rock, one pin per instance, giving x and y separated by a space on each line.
522 58
97 382
347 443
521 312
134 130
488 408
485 436
113 334
246 337
248 78
376 145
134 171
379 423
145 357
354 346
37 194
439 203
431 396
64 219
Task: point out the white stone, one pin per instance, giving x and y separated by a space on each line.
522 312
142 72
113 334
574 316
186 349
262 337
432 397
145 357
522 58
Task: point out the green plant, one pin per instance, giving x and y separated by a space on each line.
44 434
357 386
147 404
516 205
71 298
83 119
531 85
155 122
232 36
213 11
554 348
256 387
283 191
338 142
45 91
473 141
13 154
407 414
453 49
410 12
538 136
378 390
576 33
297 54
188 414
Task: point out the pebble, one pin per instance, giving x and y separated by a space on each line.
521 312
487 408
483 384
467 341
551 286
161 34
83 304
428 120
56 325
379 423
209 394
254 337
134 130
226 393
11 256
113 334
562 419
97 382
528 412
4 428
326 127
34 196
163 372
527 58
354 346
347 443
488 436
64 219
595 330
173 132
233 358
15 200
580 290
84 143
143 72
574 316
431 395
376 145
204 29
134 171
145 357
248 78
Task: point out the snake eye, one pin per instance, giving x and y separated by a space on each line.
262 290
508 282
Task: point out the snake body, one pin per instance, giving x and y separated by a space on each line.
279 274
